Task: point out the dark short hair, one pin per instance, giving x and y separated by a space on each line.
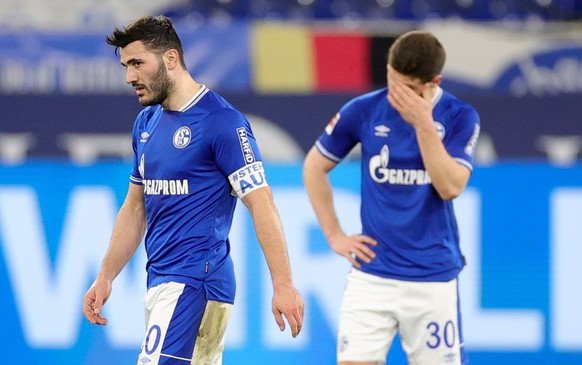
157 33
417 54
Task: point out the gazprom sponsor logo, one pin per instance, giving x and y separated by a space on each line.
399 176
245 145
380 173
165 187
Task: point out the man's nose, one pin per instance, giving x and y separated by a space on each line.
130 76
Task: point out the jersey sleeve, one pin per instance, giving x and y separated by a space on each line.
236 152
463 141
135 177
340 134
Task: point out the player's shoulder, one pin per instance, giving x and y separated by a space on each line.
456 104
147 114
369 99
217 107
149 111
360 107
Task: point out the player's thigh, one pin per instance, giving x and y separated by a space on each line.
367 326
210 341
178 327
430 323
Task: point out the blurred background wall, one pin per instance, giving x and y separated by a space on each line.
289 65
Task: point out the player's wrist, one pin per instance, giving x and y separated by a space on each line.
104 277
334 234
426 127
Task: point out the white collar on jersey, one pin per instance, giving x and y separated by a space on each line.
190 103
437 96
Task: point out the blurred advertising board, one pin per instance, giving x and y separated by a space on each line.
520 229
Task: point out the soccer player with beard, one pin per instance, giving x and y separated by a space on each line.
417 145
194 155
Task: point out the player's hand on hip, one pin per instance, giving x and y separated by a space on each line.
354 247
94 300
287 302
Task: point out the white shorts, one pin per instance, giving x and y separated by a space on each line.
183 327
425 314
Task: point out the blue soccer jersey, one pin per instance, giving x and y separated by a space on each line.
193 163
416 230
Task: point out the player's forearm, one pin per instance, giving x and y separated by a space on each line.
320 193
275 251
269 231
448 177
125 239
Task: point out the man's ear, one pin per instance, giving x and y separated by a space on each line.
172 59
437 79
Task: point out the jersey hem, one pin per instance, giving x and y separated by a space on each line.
197 284
443 277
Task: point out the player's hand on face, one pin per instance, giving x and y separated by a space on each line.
287 302
414 108
94 300
354 246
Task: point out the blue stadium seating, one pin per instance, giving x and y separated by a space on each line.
563 10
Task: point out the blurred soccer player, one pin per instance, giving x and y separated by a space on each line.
417 155
194 155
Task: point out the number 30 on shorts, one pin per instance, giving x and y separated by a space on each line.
441 335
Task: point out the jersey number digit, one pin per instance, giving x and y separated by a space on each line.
447 335
154 331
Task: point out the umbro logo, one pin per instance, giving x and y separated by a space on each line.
381 131
144 136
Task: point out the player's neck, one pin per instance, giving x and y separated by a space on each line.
433 90
185 87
